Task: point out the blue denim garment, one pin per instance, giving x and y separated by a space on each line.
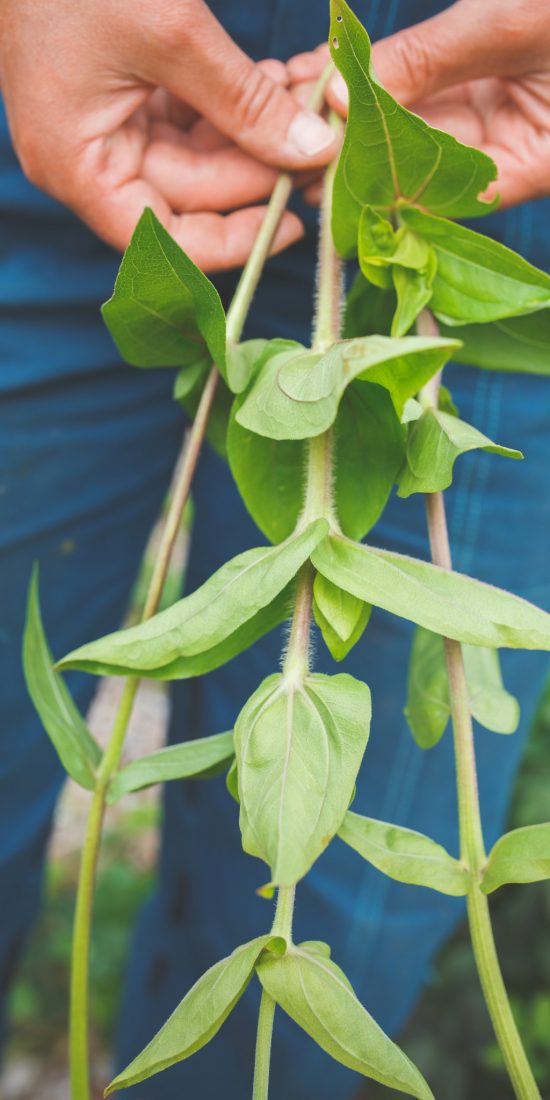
86 445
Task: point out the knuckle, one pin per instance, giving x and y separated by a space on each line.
413 60
253 94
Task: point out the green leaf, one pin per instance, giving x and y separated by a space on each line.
518 344
207 618
477 279
242 361
189 379
390 157
369 448
316 994
414 291
200 758
405 855
199 1016
78 751
298 746
297 393
340 617
434 443
232 781
270 477
218 418
520 856
492 706
164 312
428 706
448 603
369 310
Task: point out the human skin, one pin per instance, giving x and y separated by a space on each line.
114 105
480 70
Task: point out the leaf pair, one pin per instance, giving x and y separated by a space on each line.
434 442
368 451
244 599
398 259
309 987
445 602
298 747
428 706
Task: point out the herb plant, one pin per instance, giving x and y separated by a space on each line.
316 437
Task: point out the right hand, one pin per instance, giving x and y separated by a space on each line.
115 105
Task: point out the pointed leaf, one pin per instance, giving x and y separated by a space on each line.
434 443
369 310
518 344
299 746
316 994
428 706
448 603
477 279
390 156
242 361
414 292
195 625
270 477
369 447
164 312
338 648
340 617
405 855
520 856
78 751
199 1016
200 758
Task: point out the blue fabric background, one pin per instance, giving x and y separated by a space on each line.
86 448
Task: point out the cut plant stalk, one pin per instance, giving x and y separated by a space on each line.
472 847
318 502
236 317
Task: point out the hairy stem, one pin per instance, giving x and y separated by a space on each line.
318 502
236 316
472 848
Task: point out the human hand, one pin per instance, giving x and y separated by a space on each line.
480 70
115 105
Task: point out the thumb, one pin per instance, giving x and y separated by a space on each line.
470 40
204 67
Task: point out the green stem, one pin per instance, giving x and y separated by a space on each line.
318 502
236 316
472 847
282 926
246 288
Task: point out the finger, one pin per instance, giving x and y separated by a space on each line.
219 242
308 66
520 178
218 180
468 41
215 242
236 95
314 193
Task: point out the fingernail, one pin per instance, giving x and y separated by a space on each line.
339 89
309 134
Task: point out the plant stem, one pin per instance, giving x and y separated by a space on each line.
472 848
236 316
238 310
318 502
282 926
80 958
